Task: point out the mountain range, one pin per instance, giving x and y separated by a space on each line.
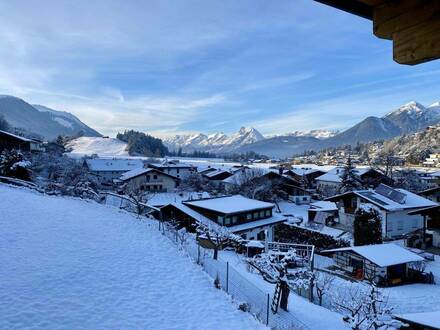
409 118
41 121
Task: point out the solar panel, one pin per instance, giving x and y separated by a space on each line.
384 190
398 197
393 194
370 196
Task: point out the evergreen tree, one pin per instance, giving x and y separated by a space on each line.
350 180
367 227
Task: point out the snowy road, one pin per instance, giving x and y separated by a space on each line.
70 264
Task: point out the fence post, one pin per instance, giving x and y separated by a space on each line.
227 277
267 310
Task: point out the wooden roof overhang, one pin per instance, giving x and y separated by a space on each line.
412 25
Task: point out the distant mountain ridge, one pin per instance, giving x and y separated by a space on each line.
42 121
215 143
409 118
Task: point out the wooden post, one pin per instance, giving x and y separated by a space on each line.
267 309
227 277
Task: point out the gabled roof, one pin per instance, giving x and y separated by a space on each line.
429 191
323 206
383 255
171 165
116 165
335 174
230 204
411 201
141 171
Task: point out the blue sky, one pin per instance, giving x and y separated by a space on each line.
179 66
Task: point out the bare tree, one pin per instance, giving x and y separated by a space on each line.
322 282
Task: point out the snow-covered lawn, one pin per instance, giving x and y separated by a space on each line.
71 264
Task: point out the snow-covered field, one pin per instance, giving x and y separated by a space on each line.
71 264
103 147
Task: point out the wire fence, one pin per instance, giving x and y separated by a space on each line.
246 294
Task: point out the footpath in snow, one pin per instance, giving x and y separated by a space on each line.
71 264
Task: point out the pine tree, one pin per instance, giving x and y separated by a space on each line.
350 180
367 227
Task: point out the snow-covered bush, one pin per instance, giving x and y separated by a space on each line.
14 164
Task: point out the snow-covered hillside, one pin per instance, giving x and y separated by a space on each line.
72 264
104 147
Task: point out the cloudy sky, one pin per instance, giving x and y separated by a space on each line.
175 66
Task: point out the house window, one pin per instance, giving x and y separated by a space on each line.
155 177
234 219
261 214
255 215
160 187
249 216
227 221
354 203
267 213
220 220
148 178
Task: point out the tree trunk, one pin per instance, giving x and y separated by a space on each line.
284 295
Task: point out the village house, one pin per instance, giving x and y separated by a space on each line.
107 170
175 168
323 213
432 161
148 180
330 183
9 141
394 206
384 264
432 194
217 176
431 228
305 175
252 219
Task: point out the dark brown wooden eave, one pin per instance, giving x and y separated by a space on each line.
351 6
412 25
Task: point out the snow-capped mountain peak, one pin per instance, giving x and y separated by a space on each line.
215 142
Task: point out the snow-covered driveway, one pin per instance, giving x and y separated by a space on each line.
71 264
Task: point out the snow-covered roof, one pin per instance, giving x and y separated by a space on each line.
383 255
324 206
117 165
171 165
159 199
230 204
427 319
195 215
141 171
305 171
275 218
335 174
216 172
410 201
17 136
256 244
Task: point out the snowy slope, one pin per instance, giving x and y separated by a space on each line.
44 122
71 264
97 145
